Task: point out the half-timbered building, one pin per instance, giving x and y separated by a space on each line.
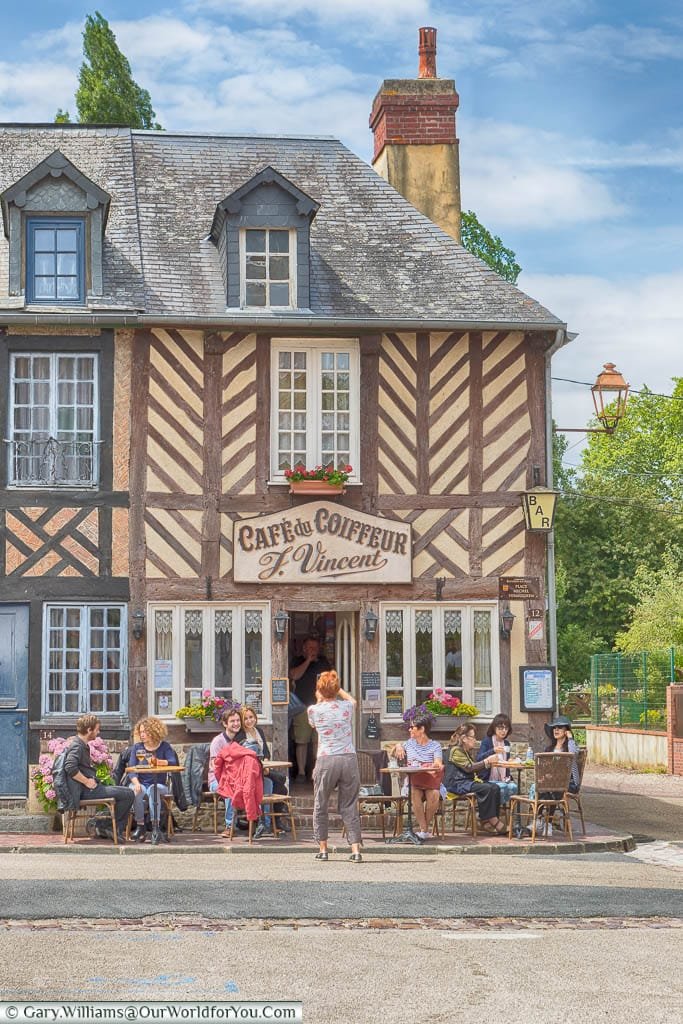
182 318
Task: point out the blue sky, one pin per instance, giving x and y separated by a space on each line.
570 127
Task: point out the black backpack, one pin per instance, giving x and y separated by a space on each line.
66 801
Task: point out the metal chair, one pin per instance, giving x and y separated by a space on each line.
552 775
69 819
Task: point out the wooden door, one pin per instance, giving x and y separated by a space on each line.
14 700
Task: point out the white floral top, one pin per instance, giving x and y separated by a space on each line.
332 721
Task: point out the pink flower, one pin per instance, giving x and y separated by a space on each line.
50 794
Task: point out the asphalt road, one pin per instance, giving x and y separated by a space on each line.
284 899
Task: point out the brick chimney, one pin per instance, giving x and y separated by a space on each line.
416 148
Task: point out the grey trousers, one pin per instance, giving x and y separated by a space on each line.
340 772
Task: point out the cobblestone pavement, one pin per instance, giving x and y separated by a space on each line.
162 923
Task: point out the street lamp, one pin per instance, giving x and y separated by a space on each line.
371 623
507 619
610 389
539 507
280 620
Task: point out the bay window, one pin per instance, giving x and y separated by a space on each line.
425 647
218 648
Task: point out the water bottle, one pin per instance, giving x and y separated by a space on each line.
529 753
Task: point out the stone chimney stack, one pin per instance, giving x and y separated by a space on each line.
416 148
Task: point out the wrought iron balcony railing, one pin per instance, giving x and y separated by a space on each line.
46 462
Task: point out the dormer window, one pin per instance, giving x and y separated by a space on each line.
55 261
54 218
262 231
268 267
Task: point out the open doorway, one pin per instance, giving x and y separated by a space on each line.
330 638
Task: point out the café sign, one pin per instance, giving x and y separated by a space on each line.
319 543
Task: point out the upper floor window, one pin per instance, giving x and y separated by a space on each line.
53 420
268 267
55 264
439 646
85 659
315 414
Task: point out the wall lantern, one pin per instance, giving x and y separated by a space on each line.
507 619
539 507
371 623
138 618
280 620
610 390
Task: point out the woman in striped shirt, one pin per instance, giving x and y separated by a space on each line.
420 749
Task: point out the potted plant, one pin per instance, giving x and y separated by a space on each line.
323 480
205 715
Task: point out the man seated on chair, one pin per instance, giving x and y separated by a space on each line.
78 767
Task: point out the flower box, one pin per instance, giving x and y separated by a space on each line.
196 725
320 488
448 723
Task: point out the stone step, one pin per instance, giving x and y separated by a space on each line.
26 823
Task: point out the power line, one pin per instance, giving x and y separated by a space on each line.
636 502
633 391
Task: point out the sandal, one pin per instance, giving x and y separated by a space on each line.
500 828
226 834
488 827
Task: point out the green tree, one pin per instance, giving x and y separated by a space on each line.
489 248
107 92
62 117
619 514
657 619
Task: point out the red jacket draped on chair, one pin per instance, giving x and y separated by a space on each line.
240 778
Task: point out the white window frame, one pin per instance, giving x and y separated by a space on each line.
238 608
467 610
314 350
292 266
13 435
84 689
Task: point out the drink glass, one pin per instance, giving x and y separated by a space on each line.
140 755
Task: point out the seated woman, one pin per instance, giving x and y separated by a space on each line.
420 749
462 777
562 741
152 744
496 742
254 738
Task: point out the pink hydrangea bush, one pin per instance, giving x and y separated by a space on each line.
43 779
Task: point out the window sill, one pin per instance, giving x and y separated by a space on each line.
110 720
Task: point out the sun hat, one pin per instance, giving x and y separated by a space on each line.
557 722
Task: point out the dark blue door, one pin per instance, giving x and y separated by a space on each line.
13 700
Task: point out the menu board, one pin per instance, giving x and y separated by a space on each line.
537 687
394 702
279 691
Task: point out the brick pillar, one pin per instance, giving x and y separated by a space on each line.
674 728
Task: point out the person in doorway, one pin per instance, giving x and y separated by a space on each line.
304 672
232 725
336 766
152 744
78 767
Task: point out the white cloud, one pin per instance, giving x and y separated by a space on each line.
387 11
513 175
34 90
637 324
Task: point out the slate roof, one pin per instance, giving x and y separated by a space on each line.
373 255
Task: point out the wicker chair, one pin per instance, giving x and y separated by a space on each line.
552 775
214 797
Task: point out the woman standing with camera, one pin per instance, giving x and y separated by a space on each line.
336 766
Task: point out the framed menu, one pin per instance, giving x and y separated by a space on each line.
279 691
537 687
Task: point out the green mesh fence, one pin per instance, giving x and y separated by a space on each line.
630 689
